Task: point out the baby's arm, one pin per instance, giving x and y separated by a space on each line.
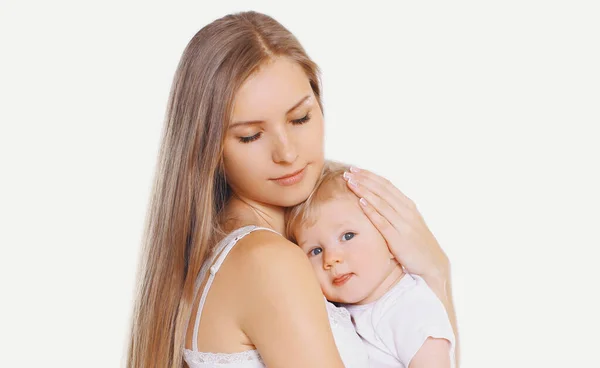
442 287
435 353
415 325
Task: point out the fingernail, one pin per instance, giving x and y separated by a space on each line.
363 202
354 169
346 176
353 183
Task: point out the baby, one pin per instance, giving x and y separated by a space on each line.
400 320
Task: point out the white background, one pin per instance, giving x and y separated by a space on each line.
485 114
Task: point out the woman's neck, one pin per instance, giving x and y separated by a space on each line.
243 212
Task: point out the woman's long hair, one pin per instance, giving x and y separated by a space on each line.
190 188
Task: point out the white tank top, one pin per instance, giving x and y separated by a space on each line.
349 345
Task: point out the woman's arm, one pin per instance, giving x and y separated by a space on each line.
408 237
284 312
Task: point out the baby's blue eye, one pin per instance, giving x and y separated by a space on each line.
315 252
347 236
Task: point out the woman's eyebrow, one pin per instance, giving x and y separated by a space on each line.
237 123
298 104
233 125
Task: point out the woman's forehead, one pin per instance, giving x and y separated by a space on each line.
272 91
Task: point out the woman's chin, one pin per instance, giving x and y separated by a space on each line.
299 192
292 199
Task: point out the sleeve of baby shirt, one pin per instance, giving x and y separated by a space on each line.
407 320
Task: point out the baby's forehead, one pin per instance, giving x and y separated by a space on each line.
341 199
338 206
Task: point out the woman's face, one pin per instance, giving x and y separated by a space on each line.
273 151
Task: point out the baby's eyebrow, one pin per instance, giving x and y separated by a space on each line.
302 244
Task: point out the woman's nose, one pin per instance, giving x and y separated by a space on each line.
284 150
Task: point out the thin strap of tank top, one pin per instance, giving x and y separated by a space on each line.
215 268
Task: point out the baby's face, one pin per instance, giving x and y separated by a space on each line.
349 255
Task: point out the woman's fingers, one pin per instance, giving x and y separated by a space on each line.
384 214
397 241
385 227
384 191
383 188
400 223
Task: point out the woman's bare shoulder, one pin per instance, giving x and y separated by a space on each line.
267 250
266 262
281 307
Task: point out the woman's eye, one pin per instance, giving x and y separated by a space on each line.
251 138
302 120
347 236
315 251
254 137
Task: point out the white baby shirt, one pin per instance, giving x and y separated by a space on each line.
395 327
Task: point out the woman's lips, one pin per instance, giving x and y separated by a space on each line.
341 280
291 179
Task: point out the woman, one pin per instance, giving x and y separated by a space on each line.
243 141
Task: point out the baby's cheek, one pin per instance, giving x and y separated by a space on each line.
324 284
329 296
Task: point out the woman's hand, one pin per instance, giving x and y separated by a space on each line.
407 236
398 220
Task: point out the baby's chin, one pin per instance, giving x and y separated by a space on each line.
341 299
353 297
331 298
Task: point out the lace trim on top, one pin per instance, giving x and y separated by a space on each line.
198 357
337 315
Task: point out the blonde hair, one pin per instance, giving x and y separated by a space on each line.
190 188
329 185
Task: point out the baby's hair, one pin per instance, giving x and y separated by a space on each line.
330 184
